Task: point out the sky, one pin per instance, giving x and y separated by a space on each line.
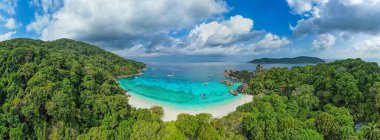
202 29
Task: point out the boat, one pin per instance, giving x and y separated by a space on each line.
170 75
205 83
203 95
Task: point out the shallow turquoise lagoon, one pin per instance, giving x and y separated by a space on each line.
181 85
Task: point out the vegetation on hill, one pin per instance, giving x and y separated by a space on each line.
59 89
351 88
66 89
295 60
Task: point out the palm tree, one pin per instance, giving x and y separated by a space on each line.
371 131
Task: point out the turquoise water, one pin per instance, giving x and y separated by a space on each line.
181 85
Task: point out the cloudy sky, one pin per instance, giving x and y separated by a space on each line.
203 28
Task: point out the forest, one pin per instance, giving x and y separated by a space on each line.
65 89
295 60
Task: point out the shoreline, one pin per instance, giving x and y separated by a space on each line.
140 72
170 113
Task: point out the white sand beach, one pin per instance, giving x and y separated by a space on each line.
170 114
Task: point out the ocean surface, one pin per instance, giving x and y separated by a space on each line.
182 85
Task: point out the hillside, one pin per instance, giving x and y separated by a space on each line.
66 89
295 60
49 89
337 96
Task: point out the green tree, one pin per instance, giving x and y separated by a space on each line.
208 132
187 124
170 132
371 131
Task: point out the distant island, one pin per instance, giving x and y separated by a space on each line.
295 60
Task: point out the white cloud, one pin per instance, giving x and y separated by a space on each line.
11 23
272 41
47 6
369 46
7 36
300 6
234 36
336 16
41 23
126 19
8 6
305 7
324 41
220 33
137 50
135 27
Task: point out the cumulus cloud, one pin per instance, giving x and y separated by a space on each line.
221 33
369 46
148 28
227 37
324 41
272 41
125 19
11 23
47 6
41 23
352 16
8 6
232 36
7 36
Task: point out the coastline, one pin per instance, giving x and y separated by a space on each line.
140 72
170 113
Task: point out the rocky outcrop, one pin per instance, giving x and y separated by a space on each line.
230 73
140 72
242 88
227 83
233 92
259 68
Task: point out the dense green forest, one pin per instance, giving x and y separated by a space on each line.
66 89
334 97
295 60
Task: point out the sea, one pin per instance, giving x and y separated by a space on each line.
188 85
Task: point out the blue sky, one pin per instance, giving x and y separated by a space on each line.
220 29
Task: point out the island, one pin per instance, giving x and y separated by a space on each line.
295 60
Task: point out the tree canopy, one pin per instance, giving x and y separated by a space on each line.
66 89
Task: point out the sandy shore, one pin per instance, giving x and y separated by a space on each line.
172 113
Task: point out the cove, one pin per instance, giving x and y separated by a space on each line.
185 85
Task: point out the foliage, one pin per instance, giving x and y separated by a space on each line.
61 89
66 89
352 83
296 60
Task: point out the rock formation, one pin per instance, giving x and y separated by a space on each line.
233 92
230 73
227 83
259 68
242 88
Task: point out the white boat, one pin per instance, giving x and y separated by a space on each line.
205 83
203 95
170 75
